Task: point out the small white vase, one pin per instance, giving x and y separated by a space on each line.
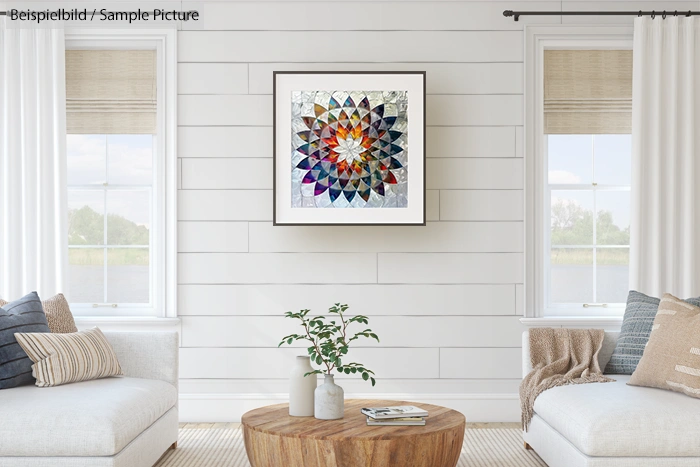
301 388
329 401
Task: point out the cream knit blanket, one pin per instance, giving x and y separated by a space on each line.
560 357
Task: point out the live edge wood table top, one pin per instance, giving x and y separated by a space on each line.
274 439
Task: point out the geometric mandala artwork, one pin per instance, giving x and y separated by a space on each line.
341 140
349 149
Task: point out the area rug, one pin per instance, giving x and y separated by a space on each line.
222 446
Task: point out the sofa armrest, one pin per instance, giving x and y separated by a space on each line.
149 355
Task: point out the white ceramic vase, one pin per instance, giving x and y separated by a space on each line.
329 401
301 388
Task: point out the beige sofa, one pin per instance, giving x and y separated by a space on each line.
613 424
127 421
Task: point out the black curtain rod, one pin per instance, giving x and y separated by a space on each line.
517 14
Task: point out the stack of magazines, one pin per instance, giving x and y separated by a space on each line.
403 415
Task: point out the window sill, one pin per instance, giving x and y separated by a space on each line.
128 323
609 323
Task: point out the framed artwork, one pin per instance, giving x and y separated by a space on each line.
349 148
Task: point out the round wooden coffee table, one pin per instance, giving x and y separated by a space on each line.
274 439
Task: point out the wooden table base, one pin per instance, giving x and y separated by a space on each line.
273 439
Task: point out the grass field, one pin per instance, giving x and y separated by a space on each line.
584 256
115 256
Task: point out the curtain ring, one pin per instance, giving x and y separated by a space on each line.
653 14
640 14
664 15
688 15
675 13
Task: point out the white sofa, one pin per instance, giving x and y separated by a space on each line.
127 421
612 424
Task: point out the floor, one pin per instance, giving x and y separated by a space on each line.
204 426
221 445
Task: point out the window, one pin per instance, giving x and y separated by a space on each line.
120 173
578 171
110 214
588 188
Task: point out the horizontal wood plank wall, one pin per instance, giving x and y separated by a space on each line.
443 298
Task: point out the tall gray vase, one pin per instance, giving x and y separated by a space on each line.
329 400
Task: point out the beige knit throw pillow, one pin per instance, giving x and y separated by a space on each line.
69 358
671 359
58 314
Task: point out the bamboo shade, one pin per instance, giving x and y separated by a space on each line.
111 91
587 91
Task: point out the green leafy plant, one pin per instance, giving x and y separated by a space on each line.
330 340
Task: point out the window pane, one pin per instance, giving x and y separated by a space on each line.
613 159
128 218
130 159
572 217
85 217
613 219
612 275
86 275
128 275
571 275
570 159
86 156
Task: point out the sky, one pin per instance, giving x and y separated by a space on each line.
584 159
117 160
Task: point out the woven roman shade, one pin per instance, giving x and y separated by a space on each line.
111 91
587 91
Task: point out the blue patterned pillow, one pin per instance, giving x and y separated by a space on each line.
634 335
23 315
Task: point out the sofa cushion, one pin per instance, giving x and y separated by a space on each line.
91 418
672 356
617 420
634 335
22 315
69 357
58 314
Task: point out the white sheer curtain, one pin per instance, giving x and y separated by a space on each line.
33 216
665 233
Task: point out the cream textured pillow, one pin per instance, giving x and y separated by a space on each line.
671 359
69 358
58 314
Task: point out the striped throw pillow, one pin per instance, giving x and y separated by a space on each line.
23 315
58 313
671 359
69 358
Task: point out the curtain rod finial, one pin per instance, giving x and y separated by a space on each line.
509 13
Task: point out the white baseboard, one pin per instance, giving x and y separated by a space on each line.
229 407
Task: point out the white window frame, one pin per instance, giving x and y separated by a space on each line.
163 247
537 40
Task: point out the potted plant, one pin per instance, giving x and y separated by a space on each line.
330 341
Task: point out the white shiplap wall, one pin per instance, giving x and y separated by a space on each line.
444 298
